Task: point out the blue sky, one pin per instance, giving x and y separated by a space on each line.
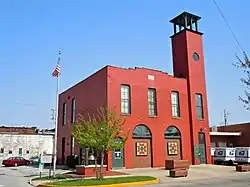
123 33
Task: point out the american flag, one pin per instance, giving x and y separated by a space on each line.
57 71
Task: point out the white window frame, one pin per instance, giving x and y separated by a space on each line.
125 99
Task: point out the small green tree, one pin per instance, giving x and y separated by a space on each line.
244 65
99 132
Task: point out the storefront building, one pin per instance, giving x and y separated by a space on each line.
234 135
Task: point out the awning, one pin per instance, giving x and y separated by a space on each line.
225 133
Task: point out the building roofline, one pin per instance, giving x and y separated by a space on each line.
17 127
47 134
242 123
105 67
189 16
123 68
142 68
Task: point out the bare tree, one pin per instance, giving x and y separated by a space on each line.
244 65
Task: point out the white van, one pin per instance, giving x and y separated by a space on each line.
224 155
242 155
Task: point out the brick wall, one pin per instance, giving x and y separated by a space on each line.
18 130
237 141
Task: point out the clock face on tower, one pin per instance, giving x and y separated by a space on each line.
196 56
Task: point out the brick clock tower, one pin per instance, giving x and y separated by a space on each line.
188 63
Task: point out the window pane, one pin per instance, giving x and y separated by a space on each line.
152 112
125 111
198 100
152 102
124 105
199 112
125 99
73 111
150 106
199 106
125 93
172 132
64 113
174 97
20 151
150 99
175 111
175 104
141 131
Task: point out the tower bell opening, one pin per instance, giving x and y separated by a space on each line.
185 21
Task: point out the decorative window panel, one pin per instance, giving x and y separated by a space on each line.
141 148
172 148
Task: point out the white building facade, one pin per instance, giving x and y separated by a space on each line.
25 145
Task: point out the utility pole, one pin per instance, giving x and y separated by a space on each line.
225 115
53 115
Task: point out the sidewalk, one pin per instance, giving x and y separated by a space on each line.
196 172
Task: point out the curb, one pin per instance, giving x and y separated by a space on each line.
30 182
110 185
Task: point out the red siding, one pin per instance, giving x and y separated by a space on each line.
89 95
164 84
184 44
103 89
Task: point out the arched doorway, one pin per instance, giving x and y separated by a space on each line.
118 156
172 137
142 151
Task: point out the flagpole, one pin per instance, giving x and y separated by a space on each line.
56 119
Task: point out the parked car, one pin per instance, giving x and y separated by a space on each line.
34 160
15 161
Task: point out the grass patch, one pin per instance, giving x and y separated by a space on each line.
105 181
58 176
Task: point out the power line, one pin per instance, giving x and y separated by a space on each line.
25 104
229 27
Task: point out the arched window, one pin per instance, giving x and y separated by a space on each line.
172 132
118 139
141 131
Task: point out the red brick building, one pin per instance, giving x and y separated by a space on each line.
18 130
167 114
236 135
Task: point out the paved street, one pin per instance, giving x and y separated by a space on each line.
19 176
199 176
233 181
12 177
